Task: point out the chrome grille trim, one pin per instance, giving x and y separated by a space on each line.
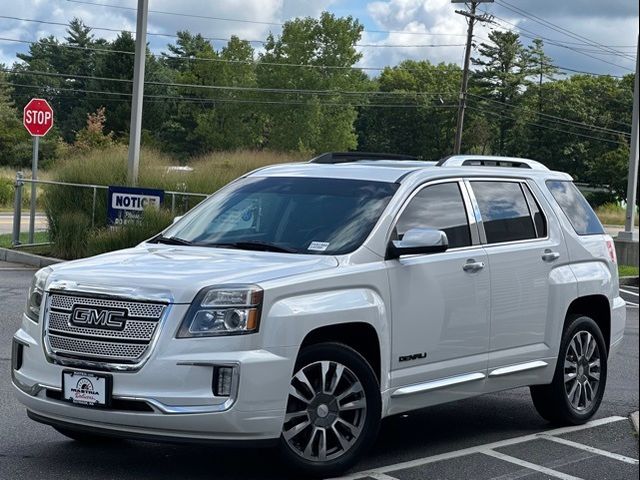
84 345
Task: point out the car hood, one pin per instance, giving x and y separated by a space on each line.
177 273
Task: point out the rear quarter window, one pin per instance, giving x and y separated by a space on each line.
580 214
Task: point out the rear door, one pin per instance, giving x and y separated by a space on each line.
523 248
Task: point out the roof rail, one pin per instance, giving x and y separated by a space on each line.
345 157
489 161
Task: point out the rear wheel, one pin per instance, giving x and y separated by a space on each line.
579 381
333 410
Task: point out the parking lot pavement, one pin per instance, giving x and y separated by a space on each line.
497 436
630 295
602 449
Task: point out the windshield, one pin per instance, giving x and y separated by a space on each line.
289 214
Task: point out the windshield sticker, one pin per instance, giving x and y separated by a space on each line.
318 246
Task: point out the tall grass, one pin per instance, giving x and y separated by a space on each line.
130 234
109 167
613 214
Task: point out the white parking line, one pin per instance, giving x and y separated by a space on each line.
382 476
598 451
530 466
629 292
478 449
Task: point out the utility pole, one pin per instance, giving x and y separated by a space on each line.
138 92
462 102
629 233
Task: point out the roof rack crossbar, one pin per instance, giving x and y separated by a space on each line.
346 157
489 161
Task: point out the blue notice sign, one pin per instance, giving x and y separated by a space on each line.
127 204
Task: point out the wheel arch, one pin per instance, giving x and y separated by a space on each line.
596 307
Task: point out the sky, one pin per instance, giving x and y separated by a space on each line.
586 35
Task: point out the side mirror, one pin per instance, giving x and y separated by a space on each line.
418 241
175 219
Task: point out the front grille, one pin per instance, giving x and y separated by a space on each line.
106 329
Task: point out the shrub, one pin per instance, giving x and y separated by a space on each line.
72 234
6 192
129 235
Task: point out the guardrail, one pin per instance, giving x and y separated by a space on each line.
17 206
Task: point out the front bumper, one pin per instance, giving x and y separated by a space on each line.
171 396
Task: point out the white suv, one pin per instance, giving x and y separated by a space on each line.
303 303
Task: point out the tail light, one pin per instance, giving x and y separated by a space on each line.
611 249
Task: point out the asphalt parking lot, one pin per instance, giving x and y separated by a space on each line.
497 436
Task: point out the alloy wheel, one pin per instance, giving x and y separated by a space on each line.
326 411
582 371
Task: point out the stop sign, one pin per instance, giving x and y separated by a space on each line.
37 117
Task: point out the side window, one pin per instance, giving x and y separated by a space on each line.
441 207
504 210
575 207
538 217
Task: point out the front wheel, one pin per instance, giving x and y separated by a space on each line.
579 381
333 410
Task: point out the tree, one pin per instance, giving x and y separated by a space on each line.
312 122
504 69
12 133
425 123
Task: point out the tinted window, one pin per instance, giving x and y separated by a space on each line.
441 207
305 215
504 210
576 208
538 217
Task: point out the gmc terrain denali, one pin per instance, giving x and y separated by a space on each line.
302 303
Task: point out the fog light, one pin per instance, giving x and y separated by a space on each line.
222 380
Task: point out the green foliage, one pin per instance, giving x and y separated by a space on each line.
6 192
128 235
71 235
92 136
627 271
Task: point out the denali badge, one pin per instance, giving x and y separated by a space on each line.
97 317
415 356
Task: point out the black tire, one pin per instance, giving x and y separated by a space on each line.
357 366
552 401
83 436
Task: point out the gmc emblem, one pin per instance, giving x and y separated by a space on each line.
98 317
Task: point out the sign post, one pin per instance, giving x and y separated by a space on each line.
37 118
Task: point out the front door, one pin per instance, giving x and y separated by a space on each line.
440 302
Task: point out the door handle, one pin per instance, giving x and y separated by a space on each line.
550 255
473 266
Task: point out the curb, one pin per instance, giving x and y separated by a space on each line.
629 281
634 421
14 256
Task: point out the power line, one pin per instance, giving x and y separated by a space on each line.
546 127
164 56
553 42
221 39
554 117
255 22
228 100
558 28
226 87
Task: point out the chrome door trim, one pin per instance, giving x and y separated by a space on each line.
438 384
517 368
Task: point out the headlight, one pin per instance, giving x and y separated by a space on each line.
223 311
36 292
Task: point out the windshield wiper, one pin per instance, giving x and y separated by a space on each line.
255 245
171 240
